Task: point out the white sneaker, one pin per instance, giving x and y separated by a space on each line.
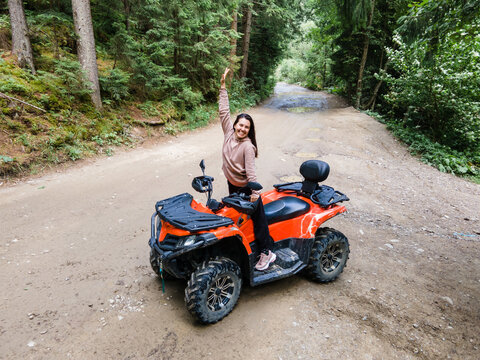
265 260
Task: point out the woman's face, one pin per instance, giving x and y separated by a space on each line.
242 127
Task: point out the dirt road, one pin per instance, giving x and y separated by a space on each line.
76 281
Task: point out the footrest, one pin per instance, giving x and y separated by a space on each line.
286 258
275 272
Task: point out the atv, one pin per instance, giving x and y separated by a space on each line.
213 245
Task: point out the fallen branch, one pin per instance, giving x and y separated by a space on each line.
20 101
152 122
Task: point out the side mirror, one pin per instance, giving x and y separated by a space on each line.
202 166
254 186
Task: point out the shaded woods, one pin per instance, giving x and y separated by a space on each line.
97 72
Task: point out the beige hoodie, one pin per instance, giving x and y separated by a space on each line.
238 155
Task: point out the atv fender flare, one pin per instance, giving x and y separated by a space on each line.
232 232
312 221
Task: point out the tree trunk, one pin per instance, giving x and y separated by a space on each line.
20 41
126 8
233 44
366 43
371 103
324 75
176 50
246 41
82 19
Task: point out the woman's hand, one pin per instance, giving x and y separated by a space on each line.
224 76
254 197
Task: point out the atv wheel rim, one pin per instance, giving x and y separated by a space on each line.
220 293
332 257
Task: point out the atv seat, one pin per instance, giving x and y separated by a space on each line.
285 208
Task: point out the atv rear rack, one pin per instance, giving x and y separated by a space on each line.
323 195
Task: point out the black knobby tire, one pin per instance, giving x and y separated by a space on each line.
156 268
213 290
329 255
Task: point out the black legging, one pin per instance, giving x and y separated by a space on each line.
260 225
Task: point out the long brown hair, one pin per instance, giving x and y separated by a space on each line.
251 132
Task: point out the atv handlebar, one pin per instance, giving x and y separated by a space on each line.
241 202
202 183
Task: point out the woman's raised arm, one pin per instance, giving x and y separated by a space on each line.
224 106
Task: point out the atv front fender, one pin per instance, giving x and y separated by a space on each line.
232 231
166 258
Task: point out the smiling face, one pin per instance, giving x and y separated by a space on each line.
242 127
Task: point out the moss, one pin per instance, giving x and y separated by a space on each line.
13 86
16 126
44 62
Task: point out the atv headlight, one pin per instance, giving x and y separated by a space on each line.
190 240
186 241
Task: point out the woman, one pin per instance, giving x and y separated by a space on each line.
239 153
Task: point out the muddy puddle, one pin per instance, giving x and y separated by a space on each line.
296 99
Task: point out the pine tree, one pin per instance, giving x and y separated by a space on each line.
87 56
20 41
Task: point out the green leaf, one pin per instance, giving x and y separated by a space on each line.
6 159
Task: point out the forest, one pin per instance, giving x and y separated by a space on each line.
78 77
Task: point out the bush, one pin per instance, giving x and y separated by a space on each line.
12 86
440 156
438 94
73 78
200 116
241 95
189 99
115 85
293 71
74 152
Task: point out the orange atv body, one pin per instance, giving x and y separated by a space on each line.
213 245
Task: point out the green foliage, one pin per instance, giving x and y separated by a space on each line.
4 32
73 79
188 99
440 156
292 71
114 85
5 159
241 96
201 116
273 28
74 152
165 50
431 22
440 96
172 50
4 21
149 108
295 66
52 31
422 71
355 13
12 86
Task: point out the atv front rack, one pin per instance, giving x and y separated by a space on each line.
178 211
